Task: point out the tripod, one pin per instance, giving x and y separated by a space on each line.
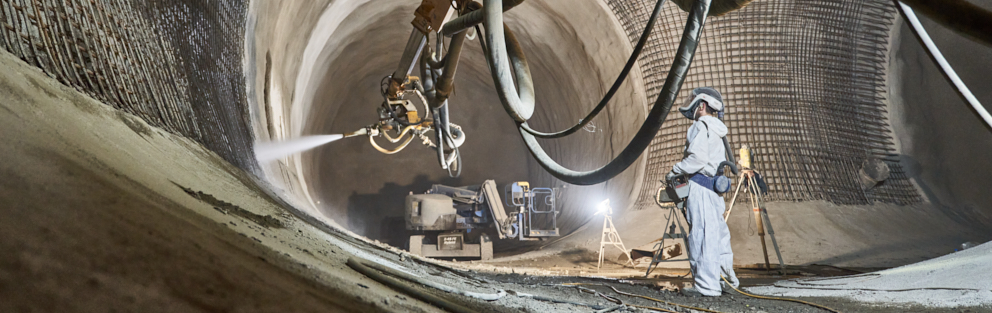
610 235
760 215
671 221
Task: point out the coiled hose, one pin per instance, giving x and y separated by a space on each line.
505 51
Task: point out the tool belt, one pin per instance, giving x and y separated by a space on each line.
718 184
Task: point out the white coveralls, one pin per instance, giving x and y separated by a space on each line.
710 255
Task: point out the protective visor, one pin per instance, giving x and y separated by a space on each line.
689 109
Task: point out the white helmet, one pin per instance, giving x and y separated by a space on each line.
708 94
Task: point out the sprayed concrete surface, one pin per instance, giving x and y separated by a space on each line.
102 211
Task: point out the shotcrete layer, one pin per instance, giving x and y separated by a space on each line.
353 45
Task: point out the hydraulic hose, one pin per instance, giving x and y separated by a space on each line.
403 133
446 82
515 105
504 51
428 74
616 84
394 151
471 19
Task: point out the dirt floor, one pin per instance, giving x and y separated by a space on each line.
102 212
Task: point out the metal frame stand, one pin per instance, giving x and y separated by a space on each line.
611 237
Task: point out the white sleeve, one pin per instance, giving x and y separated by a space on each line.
697 151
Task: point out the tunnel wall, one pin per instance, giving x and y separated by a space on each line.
336 91
804 88
943 143
175 64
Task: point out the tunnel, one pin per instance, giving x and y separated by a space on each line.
131 181
568 56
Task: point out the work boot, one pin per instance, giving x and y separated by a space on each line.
691 292
727 288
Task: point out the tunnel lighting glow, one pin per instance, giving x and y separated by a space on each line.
604 208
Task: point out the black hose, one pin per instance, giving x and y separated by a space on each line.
426 80
504 52
414 292
730 156
446 82
465 21
482 42
616 84
439 64
439 136
648 130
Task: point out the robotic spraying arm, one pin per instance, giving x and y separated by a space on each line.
400 121
399 117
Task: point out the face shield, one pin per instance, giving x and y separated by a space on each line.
692 104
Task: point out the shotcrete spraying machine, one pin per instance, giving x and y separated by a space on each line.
451 221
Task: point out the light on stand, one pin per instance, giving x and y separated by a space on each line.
604 208
610 235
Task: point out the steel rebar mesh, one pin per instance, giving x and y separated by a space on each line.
175 64
804 84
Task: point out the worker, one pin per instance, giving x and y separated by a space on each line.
710 256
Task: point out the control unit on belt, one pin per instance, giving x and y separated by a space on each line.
455 222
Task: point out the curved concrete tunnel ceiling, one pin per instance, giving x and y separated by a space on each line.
327 59
573 63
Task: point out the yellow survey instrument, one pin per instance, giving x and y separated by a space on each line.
745 157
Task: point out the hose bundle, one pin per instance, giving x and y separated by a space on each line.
504 53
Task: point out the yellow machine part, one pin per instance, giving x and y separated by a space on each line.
412 117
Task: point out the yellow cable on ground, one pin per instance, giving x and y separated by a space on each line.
775 298
645 297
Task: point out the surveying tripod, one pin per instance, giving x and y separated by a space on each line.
760 214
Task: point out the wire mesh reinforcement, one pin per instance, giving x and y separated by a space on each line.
804 84
175 64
